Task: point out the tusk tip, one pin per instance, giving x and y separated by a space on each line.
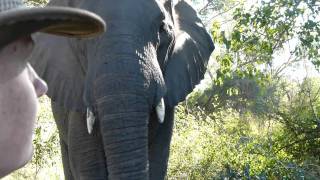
160 109
90 121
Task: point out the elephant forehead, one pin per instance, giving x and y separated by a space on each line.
141 12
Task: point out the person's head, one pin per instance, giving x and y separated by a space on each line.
19 84
17 23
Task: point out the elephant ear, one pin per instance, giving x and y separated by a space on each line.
193 46
54 60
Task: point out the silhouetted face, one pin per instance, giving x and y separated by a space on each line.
19 88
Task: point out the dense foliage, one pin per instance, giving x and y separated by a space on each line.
36 2
248 83
277 137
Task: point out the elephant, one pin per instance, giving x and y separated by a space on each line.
122 86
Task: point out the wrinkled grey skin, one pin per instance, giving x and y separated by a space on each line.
152 49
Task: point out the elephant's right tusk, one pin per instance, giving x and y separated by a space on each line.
160 109
90 120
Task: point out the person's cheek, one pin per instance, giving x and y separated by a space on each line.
18 103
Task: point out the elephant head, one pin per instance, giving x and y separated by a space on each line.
154 52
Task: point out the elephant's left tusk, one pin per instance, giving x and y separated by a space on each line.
90 120
160 109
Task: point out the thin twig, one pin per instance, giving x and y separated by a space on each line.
219 14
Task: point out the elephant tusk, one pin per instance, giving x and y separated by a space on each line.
160 109
90 120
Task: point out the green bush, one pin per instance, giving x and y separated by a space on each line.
230 146
36 2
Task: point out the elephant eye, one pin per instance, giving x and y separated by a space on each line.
162 27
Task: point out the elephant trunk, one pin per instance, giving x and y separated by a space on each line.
124 134
123 113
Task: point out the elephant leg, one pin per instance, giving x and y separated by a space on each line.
159 144
65 161
83 154
87 152
61 119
